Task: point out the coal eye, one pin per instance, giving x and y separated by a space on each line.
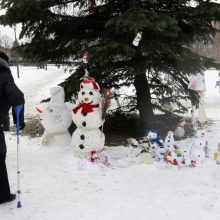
51 110
90 93
83 93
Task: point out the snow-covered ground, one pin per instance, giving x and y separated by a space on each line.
54 189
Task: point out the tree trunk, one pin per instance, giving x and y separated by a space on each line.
144 104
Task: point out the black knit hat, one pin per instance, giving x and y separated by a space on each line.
4 56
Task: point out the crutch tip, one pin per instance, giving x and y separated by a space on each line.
19 205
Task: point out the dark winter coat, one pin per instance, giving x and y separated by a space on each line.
10 96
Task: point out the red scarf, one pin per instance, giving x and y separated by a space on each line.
86 108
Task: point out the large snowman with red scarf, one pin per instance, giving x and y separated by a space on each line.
88 140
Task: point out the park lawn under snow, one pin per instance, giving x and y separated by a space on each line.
54 189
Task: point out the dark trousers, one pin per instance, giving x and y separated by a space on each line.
4 184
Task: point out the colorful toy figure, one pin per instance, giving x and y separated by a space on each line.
156 144
218 157
145 153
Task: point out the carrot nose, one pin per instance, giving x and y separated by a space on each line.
86 99
39 110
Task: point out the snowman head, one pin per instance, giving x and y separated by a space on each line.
89 83
89 91
170 134
151 134
201 133
89 96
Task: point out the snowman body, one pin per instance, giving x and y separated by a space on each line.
56 119
198 151
87 116
169 142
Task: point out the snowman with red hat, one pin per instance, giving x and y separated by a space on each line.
88 140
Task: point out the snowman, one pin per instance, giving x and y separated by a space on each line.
201 135
169 142
198 151
56 119
156 145
87 140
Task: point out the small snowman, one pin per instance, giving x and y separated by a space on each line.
198 148
179 132
56 119
145 154
169 142
156 144
201 135
88 140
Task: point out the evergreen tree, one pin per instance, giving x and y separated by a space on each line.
159 68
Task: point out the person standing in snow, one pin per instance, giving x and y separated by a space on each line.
10 96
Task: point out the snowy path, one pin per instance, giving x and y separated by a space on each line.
35 83
53 188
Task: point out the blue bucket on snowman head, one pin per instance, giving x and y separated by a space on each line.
146 132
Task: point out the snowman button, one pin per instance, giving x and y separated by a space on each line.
82 137
84 114
81 146
84 124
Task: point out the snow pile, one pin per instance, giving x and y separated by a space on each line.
54 189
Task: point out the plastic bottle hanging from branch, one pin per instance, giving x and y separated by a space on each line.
137 39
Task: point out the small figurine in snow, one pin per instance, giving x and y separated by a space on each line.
157 147
133 143
169 141
171 158
198 150
87 140
56 119
104 158
218 156
201 135
145 153
137 39
174 157
179 132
